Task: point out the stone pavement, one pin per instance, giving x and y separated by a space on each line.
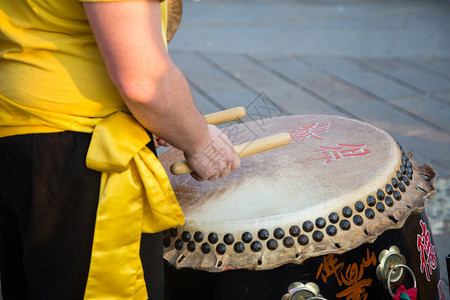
383 62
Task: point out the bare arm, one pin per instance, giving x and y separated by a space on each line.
154 89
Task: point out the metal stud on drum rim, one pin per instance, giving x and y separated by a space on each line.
357 212
300 203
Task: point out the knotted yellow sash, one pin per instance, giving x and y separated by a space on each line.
135 197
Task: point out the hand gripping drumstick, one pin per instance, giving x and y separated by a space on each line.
224 116
245 149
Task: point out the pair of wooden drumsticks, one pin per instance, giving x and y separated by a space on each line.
244 149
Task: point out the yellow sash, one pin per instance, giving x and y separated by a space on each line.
135 197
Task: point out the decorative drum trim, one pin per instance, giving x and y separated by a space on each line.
386 206
308 234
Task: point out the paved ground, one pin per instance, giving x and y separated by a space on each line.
383 62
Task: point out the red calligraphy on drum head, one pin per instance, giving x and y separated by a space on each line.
428 261
304 133
331 154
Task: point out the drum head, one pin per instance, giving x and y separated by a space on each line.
338 184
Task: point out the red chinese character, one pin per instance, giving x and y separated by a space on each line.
341 151
428 261
305 132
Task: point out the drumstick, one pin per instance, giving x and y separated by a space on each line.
223 116
245 149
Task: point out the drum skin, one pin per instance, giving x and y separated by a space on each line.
320 209
351 275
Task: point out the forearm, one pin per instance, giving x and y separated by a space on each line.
153 88
171 114
128 34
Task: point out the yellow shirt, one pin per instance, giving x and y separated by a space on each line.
52 76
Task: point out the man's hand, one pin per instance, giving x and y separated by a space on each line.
129 36
216 159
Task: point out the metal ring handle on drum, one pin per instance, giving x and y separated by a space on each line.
390 273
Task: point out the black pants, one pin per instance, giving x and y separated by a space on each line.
48 206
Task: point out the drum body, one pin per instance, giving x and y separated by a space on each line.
327 208
351 275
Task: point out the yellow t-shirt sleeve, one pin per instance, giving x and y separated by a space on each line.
163 13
